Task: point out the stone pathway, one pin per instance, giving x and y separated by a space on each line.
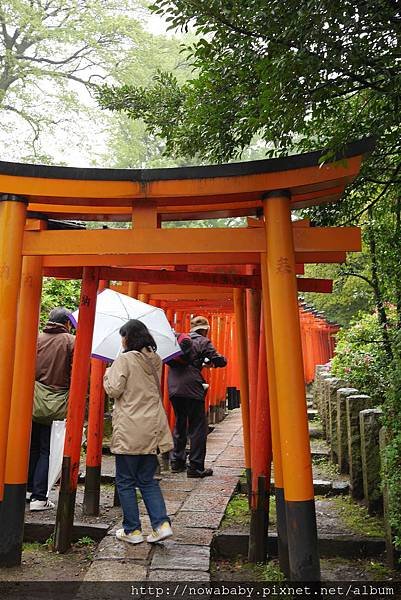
196 508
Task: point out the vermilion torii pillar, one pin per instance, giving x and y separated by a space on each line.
94 443
20 424
291 401
12 221
239 308
282 536
76 410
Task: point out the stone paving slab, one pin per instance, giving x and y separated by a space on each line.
173 556
225 471
110 548
229 462
233 452
174 495
162 575
179 483
193 535
196 507
116 571
211 502
224 486
208 520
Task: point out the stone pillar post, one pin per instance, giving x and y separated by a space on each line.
324 400
334 385
393 556
369 420
342 441
320 370
354 405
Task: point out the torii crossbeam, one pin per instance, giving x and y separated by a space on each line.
147 198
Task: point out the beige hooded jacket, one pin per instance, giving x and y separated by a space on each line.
140 423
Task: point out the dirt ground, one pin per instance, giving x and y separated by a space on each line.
40 563
333 569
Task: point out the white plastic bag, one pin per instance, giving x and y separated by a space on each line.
57 438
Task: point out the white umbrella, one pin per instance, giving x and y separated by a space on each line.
113 310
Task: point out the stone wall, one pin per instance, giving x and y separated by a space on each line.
351 426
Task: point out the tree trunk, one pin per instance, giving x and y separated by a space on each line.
381 311
398 243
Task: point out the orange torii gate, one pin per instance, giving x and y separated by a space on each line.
149 197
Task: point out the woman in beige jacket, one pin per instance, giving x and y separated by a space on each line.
140 428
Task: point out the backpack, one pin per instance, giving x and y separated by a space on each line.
185 343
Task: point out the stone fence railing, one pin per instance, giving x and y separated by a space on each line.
352 428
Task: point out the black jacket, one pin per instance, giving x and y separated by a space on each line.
186 381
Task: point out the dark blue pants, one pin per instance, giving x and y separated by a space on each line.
137 471
39 461
190 421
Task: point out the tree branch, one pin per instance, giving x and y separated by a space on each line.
352 274
375 201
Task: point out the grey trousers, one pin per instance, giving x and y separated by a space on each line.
190 423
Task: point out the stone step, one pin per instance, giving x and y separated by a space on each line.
322 487
312 414
315 433
40 531
230 544
319 454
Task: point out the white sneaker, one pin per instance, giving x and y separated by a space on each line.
28 496
41 505
134 537
160 533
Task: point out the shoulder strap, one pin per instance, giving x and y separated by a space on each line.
157 380
154 373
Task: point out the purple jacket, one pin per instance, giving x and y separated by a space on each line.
185 381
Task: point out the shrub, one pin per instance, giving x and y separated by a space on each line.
361 360
360 357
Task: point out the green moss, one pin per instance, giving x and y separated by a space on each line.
357 518
267 572
237 512
325 468
378 571
239 569
33 547
272 511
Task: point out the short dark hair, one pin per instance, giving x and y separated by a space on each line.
137 336
59 315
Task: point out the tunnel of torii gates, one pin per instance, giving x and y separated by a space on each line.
252 269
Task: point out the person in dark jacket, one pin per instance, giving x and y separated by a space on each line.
187 391
53 369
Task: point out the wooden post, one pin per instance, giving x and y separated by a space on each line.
294 432
282 536
13 506
76 409
12 221
94 444
239 307
261 455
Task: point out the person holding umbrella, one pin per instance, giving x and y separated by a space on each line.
140 429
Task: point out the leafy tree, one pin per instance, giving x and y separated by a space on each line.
52 51
279 69
301 76
57 292
351 294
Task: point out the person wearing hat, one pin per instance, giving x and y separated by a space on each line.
55 349
187 391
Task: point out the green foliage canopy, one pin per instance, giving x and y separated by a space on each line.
52 50
278 69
